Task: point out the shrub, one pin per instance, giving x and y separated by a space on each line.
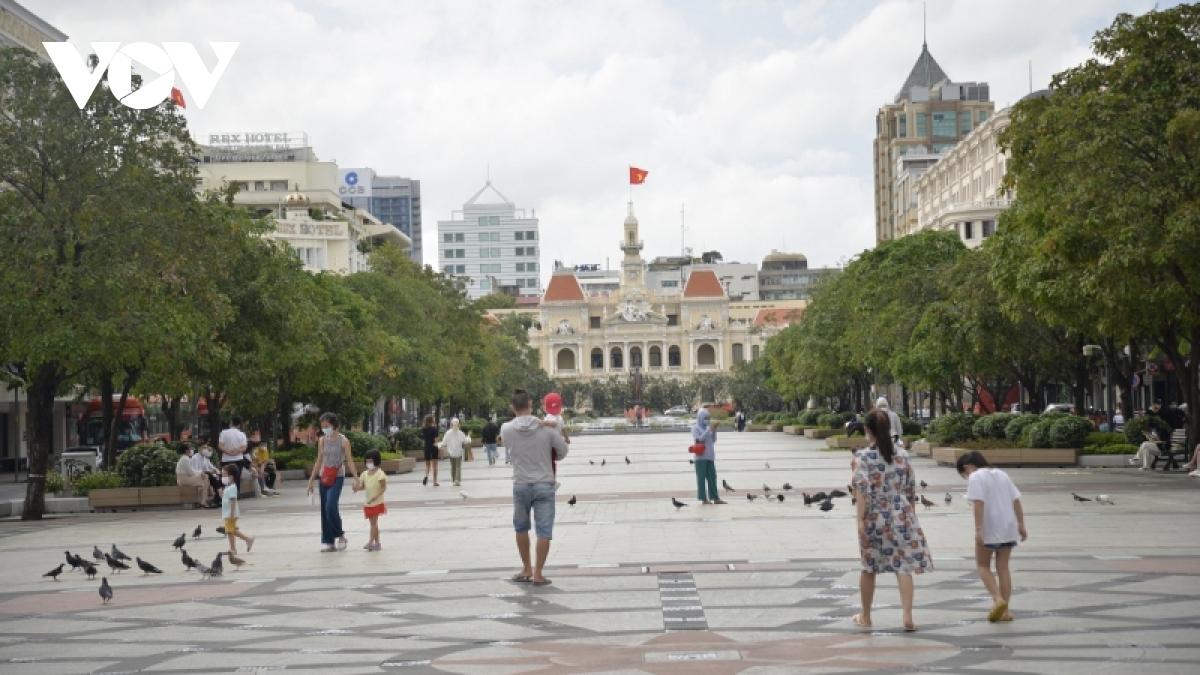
1070 431
992 426
834 420
1137 425
987 444
1102 438
54 482
300 464
762 418
101 480
409 439
473 426
809 418
953 428
304 452
361 442
787 420
1015 429
1111 449
719 414
290 446
910 426
147 465
1038 435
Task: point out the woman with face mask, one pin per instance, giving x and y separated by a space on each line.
705 432
333 456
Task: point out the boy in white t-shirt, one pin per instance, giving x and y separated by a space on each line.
999 521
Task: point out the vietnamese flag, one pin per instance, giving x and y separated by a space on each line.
637 176
177 98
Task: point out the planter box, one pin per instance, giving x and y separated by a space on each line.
854 442
775 427
922 448
791 430
1110 461
758 427
822 433
1059 457
113 497
173 494
393 466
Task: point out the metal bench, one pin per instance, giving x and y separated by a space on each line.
1177 447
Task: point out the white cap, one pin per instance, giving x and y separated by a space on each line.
881 402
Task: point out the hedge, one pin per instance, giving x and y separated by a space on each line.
1015 430
992 426
408 439
1102 438
809 418
911 427
360 442
101 480
1111 449
147 465
834 420
1070 431
952 428
1038 435
762 418
1135 427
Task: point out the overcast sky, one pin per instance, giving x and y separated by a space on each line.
758 115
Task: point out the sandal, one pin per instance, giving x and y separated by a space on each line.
1007 617
910 628
857 619
521 578
998 611
543 582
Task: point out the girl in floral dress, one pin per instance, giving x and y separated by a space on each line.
888 533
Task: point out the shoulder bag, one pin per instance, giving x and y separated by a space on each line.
329 474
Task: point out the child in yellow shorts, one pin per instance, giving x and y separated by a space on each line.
229 508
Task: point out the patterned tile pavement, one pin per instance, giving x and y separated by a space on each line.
763 587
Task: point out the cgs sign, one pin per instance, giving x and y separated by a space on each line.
118 61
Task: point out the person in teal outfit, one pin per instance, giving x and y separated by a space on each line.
705 432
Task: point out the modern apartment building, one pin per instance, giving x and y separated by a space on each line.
786 276
491 244
929 116
394 200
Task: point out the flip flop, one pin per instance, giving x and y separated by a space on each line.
857 619
543 582
998 611
521 578
910 629
1006 617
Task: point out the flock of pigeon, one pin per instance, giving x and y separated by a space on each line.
118 562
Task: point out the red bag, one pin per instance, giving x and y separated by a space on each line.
329 475
697 448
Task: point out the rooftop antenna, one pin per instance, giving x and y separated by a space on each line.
489 173
682 236
924 24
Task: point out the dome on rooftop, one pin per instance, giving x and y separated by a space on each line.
776 256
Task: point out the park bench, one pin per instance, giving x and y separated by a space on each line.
1167 453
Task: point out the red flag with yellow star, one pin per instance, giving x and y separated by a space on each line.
177 98
637 176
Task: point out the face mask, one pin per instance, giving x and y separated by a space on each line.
704 423
327 430
206 452
226 480
370 466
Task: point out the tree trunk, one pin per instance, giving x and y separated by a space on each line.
40 400
108 436
214 401
904 398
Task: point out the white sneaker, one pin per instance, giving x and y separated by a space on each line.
1195 474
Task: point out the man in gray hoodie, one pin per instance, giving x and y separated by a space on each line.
530 445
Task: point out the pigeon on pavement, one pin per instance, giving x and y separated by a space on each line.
1103 499
572 501
779 497
766 488
114 564
196 533
926 503
53 574
827 505
835 494
147 568
592 462
751 497
116 553
787 486
90 569
948 499
220 529
1080 499
808 500
627 460
188 563
768 464
106 593
692 462
924 485
217 568
74 561
820 497
97 553
464 494
603 462
235 561
725 485
204 571
677 504
180 541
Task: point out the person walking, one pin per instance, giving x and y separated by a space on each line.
489 434
333 456
895 427
231 476
374 482
740 421
705 432
532 445
456 443
232 443
999 521
429 433
889 536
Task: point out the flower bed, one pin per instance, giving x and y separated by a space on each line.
1060 457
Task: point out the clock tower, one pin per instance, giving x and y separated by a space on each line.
632 267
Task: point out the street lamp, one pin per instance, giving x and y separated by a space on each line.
1091 351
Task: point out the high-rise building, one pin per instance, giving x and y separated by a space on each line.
492 244
786 276
929 116
394 200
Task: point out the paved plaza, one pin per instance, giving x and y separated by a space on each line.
638 587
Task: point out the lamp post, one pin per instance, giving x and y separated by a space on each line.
1090 351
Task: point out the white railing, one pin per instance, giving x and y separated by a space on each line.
994 203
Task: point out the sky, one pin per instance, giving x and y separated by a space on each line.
755 116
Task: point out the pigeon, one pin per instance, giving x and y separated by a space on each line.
926 503
627 460
779 497
180 541
74 561
220 529
217 568
234 560
677 504
196 533
53 574
766 488
97 553
692 462
592 462
464 495
837 494
114 564
808 501
147 568
924 485
948 499
725 485
91 570
827 505
106 593
187 561
768 464
1103 499
820 497
1080 499
787 486
572 501
853 501
204 571
750 497
116 553
603 462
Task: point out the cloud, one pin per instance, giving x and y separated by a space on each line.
758 116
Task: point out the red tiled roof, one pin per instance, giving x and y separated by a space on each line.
563 288
703 284
777 317
528 301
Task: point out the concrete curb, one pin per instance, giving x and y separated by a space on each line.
13 508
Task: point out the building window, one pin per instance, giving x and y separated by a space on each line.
706 356
593 322
903 126
753 352
989 228
520 283
966 122
968 230
669 283
526 251
260 186
656 357
597 358
531 283
673 357
921 125
983 114
614 358
738 354
486 221
489 268
489 236
525 236
447 238
485 284
793 279
489 253
565 360
944 124
635 357
527 267
279 186
672 319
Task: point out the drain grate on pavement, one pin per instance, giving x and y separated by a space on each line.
681 605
